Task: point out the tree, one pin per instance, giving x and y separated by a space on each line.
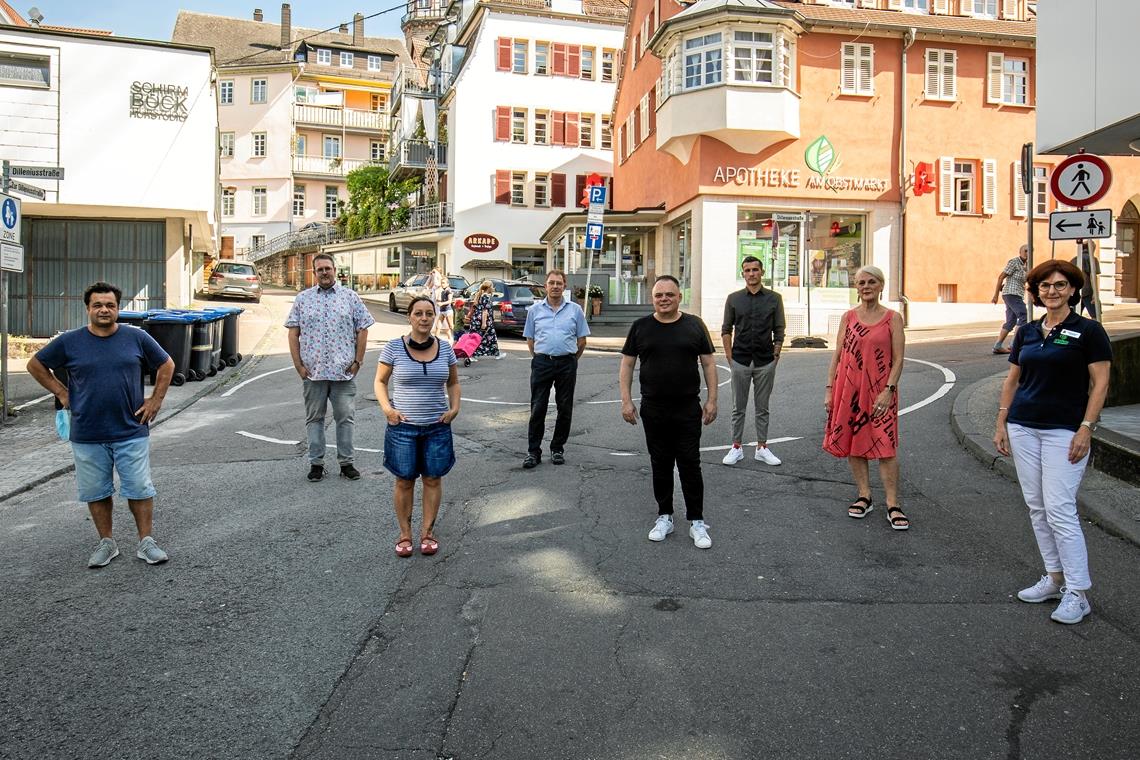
377 203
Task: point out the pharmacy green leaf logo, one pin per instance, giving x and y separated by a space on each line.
820 156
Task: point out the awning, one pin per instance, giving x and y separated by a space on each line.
486 264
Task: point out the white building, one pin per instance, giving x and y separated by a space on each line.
133 123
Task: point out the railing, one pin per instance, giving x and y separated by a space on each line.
418 82
433 216
334 116
330 167
424 10
414 154
306 238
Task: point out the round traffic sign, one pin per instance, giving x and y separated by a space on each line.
1081 180
9 213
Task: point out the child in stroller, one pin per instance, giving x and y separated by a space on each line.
466 345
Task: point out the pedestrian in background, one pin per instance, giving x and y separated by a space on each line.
110 415
417 386
1050 403
1088 296
555 333
483 322
671 345
752 334
862 399
444 301
328 332
1011 289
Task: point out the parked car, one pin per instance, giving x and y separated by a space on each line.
510 301
416 285
232 278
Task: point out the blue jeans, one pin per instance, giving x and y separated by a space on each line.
95 464
1015 312
318 394
414 450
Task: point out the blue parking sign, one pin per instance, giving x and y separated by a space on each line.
594 236
597 194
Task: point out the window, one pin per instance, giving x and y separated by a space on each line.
332 205
541 127
967 185
22 70
376 151
983 8
260 201
587 68
963 187
608 65
377 102
331 148
1008 80
643 125
940 75
324 56
300 142
751 57
256 241
644 35
703 60
586 130
1041 191
542 58
518 125
226 143
518 188
607 137
259 91
346 60
858 69
226 92
259 145
518 56
298 200
917 6
228 201
542 190
374 63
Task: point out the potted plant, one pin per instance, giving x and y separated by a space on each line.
580 296
595 300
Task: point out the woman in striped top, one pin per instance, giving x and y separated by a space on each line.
417 386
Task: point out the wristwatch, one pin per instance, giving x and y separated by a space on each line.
1090 425
892 388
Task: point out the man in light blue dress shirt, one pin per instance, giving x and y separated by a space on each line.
555 333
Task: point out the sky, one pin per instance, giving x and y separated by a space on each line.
154 19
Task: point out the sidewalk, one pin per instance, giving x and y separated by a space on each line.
1110 503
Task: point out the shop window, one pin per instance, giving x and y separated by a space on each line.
528 263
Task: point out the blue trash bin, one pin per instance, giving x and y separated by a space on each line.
229 333
172 331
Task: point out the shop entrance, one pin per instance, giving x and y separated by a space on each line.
1127 231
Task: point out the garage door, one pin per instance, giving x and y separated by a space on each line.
64 256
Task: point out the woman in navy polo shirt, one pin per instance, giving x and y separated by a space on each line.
1050 403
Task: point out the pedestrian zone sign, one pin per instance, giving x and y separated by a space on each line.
9 219
1080 225
1081 180
594 236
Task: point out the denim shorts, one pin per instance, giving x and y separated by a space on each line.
414 450
95 464
1015 312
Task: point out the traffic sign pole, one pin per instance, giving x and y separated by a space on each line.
596 208
1027 186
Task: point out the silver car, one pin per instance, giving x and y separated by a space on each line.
239 280
416 285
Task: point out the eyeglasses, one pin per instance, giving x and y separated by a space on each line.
1058 286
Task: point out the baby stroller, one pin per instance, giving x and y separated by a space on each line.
466 346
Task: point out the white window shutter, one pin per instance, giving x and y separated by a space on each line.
895 5
965 7
867 70
942 6
989 193
946 184
1020 199
847 80
868 3
932 69
994 70
1009 10
950 75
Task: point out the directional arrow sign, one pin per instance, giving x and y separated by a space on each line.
1080 225
29 190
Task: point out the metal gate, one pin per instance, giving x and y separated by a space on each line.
64 256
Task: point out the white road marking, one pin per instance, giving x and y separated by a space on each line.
267 439
244 383
753 443
949 378
34 401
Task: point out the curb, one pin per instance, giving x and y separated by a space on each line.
1089 503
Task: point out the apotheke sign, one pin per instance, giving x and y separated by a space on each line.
163 102
743 176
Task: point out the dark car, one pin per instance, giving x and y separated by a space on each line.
510 301
416 285
231 278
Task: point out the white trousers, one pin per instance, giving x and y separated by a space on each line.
1049 483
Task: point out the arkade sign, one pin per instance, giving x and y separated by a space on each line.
166 102
481 242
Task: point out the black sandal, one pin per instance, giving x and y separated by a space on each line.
897 519
859 511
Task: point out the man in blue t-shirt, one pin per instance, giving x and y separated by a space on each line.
109 414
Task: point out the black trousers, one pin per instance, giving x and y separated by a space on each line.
673 437
562 373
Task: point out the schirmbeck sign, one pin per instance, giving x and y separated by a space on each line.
743 176
163 102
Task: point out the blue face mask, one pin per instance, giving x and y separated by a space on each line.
63 424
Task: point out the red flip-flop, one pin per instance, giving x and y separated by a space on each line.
404 547
428 545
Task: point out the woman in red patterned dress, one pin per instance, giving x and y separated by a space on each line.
862 395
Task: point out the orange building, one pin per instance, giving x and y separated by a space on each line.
788 130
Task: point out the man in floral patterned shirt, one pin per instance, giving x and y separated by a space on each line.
328 330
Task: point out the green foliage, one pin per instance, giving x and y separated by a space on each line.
376 203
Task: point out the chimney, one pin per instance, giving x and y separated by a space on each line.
257 14
286 26
358 29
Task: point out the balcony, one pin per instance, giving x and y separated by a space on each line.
323 166
748 119
415 154
417 82
434 216
424 10
349 119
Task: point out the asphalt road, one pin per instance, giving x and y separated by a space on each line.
548 626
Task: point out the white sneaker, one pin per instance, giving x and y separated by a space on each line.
1073 608
661 528
734 455
765 455
1042 590
698 531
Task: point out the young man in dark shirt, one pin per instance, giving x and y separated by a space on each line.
670 345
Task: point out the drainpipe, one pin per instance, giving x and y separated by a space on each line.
908 40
